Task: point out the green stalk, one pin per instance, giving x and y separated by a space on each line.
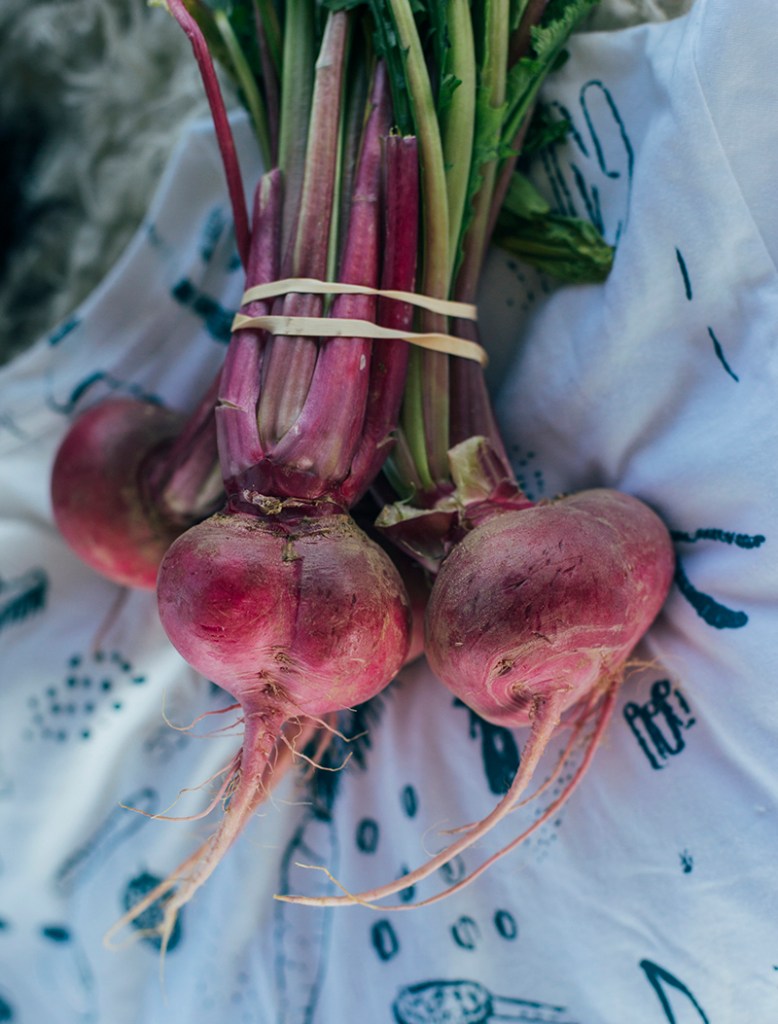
425 418
412 419
299 57
492 89
457 118
248 85
538 46
433 174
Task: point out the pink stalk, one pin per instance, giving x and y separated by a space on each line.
335 407
240 446
224 136
389 359
184 479
471 407
342 429
292 360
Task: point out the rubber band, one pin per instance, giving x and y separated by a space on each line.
313 286
333 327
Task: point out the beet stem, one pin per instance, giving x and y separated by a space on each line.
221 123
291 361
297 71
263 12
328 429
240 446
389 359
183 478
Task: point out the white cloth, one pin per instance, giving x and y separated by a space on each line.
651 897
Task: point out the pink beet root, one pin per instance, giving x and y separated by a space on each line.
296 615
305 612
541 606
100 504
534 614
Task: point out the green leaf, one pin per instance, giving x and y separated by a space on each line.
523 200
546 129
518 7
568 248
448 86
560 19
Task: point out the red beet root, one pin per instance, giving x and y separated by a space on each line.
533 614
101 506
538 607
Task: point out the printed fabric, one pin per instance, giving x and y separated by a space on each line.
649 897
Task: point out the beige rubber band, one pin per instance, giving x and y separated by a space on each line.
332 327
313 286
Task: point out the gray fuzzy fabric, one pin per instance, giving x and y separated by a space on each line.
95 94
615 14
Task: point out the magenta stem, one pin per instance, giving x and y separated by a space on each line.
521 40
183 478
291 361
472 414
221 123
240 446
327 432
389 359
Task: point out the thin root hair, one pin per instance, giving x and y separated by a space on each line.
220 794
370 897
316 764
200 718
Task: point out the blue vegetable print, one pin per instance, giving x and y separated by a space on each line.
63 330
469 1002
22 596
499 752
149 922
216 319
115 828
715 614
92 685
674 996
718 348
105 383
659 725
599 156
